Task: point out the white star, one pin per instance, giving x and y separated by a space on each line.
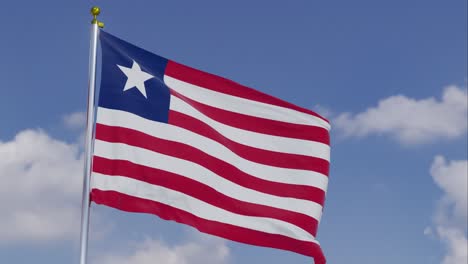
136 78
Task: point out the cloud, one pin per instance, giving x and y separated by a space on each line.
76 120
427 231
197 250
457 245
41 188
450 219
452 178
323 111
409 120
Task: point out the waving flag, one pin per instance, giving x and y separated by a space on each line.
202 150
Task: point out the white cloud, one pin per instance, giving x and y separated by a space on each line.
198 250
457 245
41 188
76 120
427 231
323 111
452 178
451 213
410 120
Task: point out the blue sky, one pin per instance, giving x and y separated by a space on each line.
397 68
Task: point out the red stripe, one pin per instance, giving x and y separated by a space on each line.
220 84
220 167
260 125
272 158
240 234
201 192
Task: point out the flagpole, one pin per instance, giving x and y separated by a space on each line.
89 135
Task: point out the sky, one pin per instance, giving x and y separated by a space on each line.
391 76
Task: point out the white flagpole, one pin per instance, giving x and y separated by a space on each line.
89 136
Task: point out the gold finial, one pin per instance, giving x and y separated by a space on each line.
95 11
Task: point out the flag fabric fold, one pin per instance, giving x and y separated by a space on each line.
201 150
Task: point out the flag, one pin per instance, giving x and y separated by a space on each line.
201 150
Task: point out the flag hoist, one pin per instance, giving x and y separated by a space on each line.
95 25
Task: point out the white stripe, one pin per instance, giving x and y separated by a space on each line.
196 207
242 105
194 171
254 139
168 132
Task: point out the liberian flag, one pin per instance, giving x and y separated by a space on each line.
201 150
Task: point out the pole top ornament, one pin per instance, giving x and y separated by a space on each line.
95 11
